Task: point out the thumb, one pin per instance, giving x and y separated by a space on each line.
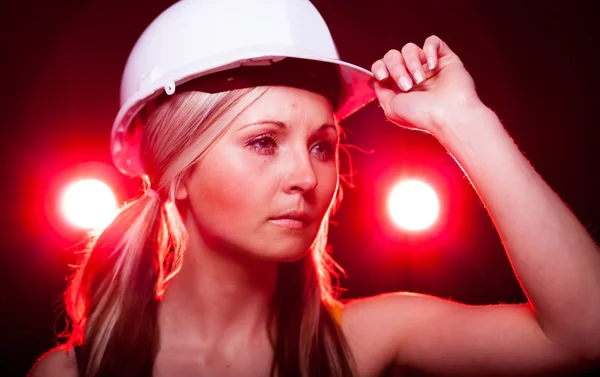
410 110
385 95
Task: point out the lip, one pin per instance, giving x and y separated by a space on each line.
293 219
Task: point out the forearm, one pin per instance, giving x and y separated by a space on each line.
555 259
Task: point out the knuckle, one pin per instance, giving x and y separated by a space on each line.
409 48
392 54
432 38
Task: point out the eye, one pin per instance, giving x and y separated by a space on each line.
324 150
264 144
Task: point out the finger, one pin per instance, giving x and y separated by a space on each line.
379 70
431 48
434 49
414 58
394 62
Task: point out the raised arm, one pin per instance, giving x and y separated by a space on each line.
555 259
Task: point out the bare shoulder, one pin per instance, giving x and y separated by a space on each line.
374 327
58 361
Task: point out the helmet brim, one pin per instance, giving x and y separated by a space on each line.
355 93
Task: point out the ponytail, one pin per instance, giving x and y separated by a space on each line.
113 298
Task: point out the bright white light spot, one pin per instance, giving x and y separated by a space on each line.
413 205
89 204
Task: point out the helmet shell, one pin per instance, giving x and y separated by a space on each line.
194 38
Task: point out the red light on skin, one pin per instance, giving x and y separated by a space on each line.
413 205
88 204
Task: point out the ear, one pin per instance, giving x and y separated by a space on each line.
181 192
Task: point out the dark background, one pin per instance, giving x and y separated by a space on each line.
534 62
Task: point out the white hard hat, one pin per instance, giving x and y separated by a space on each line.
194 38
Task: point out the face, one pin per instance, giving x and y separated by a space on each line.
265 186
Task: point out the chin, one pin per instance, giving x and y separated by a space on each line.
284 255
282 246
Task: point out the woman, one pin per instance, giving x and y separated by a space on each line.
221 267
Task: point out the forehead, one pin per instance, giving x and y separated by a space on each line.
289 105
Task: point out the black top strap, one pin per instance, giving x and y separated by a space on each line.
77 350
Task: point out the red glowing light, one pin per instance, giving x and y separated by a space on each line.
413 205
89 204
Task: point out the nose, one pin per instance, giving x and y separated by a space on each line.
300 175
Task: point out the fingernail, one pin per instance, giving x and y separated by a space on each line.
431 62
418 77
381 74
405 83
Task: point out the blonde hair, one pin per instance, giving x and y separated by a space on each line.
112 299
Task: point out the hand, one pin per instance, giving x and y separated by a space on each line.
424 89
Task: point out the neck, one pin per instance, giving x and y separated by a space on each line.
218 294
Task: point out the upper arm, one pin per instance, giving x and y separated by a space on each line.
58 362
441 337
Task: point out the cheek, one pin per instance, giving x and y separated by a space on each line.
330 173
229 187
328 182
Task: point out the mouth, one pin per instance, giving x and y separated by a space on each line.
293 220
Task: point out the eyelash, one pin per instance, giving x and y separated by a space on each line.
254 144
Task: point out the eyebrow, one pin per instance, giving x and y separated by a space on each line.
284 125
